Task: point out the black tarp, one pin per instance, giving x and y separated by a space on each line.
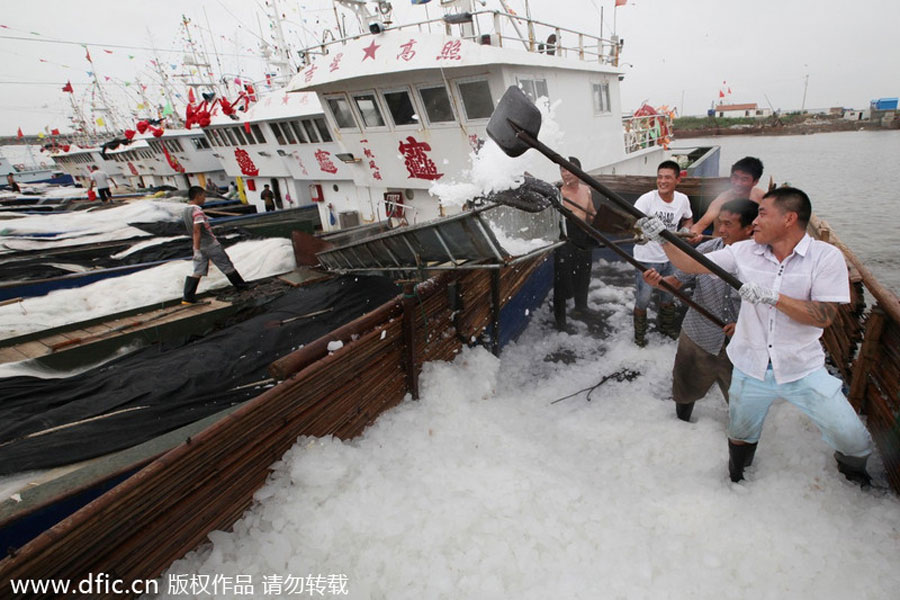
155 390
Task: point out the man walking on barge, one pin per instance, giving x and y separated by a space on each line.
206 247
792 287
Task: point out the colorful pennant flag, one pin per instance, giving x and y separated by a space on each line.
101 122
54 132
19 133
68 87
87 54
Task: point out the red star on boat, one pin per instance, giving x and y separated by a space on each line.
370 50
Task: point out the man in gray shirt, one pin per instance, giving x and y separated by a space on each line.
206 247
700 359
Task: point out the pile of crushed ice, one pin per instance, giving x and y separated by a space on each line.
484 489
254 259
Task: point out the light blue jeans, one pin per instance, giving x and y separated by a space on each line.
818 395
643 291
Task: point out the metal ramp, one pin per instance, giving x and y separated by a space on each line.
488 237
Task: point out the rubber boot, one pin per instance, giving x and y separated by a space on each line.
683 410
190 290
739 457
640 327
236 280
666 321
854 468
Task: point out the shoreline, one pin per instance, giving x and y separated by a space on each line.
805 128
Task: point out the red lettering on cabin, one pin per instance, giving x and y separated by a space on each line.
369 51
134 171
373 166
336 63
451 51
245 162
307 77
325 163
300 162
407 53
419 165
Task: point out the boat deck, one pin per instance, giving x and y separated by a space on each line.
99 334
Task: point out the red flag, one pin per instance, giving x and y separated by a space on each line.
19 133
107 51
621 2
87 54
721 94
191 97
729 90
54 132
68 87
246 125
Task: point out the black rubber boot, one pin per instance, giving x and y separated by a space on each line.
190 290
739 457
667 320
640 327
854 468
683 410
236 280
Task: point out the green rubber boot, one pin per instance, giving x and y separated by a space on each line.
640 327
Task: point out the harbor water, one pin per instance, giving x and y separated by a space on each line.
849 176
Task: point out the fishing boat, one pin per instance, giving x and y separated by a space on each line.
406 107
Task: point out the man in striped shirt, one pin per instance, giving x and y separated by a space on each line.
206 247
700 359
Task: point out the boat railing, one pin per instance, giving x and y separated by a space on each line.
646 132
863 343
487 27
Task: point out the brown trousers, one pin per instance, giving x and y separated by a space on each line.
696 370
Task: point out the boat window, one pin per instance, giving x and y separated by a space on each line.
279 137
476 98
322 127
177 145
239 134
310 131
298 131
209 138
200 143
343 116
534 88
257 132
401 108
231 140
288 134
437 104
368 109
601 98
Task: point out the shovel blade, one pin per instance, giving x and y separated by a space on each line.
514 110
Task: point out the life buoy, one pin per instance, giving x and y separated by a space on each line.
43 164
19 167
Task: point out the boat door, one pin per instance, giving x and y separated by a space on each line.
277 191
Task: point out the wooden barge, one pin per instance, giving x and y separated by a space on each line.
138 528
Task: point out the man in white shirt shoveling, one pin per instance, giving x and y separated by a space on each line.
792 287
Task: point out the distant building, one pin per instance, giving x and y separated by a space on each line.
852 114
742 110
884 110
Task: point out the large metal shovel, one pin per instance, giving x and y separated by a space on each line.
515 125
535 195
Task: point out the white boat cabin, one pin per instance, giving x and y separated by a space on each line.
408 106
282 141
79 161
179 158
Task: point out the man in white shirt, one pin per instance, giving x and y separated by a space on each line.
792 287
674 210
101 179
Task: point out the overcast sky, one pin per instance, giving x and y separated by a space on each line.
677 52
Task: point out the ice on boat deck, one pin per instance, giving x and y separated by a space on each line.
484 489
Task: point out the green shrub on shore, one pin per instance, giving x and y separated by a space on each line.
688 123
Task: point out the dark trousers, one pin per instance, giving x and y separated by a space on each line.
104 194
696 370
572 278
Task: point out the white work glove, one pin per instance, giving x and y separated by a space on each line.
652 228
757 294
197 254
